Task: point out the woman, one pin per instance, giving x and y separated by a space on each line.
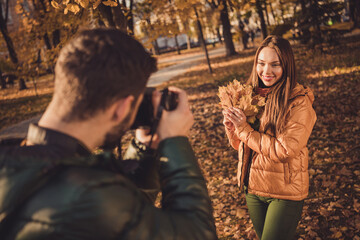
273 160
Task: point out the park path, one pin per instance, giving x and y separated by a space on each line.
181 63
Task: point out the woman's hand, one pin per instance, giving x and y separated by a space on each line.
143 136
227 122
235 116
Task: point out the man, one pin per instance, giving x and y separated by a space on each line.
55 188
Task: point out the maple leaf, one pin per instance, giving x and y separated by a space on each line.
55 4
110 3
73 8
242 96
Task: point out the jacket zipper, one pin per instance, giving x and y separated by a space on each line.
247 177
242 165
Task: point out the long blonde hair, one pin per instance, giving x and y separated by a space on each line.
278 99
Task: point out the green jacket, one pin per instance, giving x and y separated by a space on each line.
83 197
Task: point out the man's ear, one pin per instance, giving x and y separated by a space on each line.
122 107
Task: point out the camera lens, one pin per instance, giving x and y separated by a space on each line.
169 100
145 115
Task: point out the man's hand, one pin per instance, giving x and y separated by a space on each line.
177 122
143 135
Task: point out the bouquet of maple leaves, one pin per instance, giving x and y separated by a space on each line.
242 96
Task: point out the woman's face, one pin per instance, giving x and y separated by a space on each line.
268 66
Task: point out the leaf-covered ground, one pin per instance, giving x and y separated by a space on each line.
332 209
17 106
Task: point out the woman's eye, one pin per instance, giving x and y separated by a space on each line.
261 64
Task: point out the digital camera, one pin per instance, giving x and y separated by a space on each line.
146 116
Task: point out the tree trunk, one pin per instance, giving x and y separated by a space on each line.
262 20
244 35
119 18
267 14
47 41
177 45
305 32
56 37
8 41
317 37
22 84
282 11
156 47
273 14
188 41
3 81
354 7
219 35
224 17
106 15
130 18
203 40
200 42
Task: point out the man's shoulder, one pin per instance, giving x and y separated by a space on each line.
92 177
96 187
85 200
8 151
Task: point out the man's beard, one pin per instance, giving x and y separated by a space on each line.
113 138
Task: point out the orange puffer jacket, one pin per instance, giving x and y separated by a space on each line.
279 166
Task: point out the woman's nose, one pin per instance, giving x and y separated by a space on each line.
267 69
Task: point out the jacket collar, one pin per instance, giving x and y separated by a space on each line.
44 136
300 90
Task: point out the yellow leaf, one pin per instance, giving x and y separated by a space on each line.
96 4
66 2
66 10
55 4
110 3
84 3
242 96
73 8
337 235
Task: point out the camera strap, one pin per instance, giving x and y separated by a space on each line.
156 120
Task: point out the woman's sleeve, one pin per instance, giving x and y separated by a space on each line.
233 139
299 124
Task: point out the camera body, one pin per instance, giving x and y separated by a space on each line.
146 117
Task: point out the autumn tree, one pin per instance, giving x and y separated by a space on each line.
314 18
259 7
151 21
192 9
42 31
222 6
202 39
128 8
354 7
109 13
4 13
259 10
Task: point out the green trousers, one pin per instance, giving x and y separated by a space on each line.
274 219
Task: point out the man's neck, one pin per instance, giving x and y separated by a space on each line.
87 132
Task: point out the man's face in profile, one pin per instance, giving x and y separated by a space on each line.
113 137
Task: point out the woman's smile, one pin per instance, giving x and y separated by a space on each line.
268 66
268 78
